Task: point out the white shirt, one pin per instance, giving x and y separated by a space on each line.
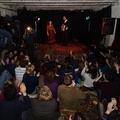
88 81
65 21
19 72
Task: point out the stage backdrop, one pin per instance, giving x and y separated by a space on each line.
85 25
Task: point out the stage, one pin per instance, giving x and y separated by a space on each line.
58 49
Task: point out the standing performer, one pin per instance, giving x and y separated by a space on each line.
51 32
65 31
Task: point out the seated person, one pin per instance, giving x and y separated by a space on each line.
52 82
110 87
69 96
43 106
4 76
112 112
30 79
11 107
89 74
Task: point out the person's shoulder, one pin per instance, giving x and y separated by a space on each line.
17 68
62 85
53 100
33 99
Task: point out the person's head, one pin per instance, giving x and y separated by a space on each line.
92 70
12 60
15 52
75 56
44 93
7 57
10 81
50 74
30 69
110 75
10 54
26 57
67 80
50 22
18 62
10 92
15 57
23 63
64 18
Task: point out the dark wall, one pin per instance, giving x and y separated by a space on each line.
82 30
97 24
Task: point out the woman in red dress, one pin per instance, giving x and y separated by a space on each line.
51 32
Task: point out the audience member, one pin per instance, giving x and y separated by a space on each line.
11 107
30 78
89 74
69 96
53 82
110 88
20 70
43 107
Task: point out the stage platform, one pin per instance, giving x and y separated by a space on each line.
59 49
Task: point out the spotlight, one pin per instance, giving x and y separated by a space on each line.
38 19
28 28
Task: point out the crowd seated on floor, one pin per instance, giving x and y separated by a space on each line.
73 87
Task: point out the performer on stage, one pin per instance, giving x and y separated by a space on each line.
51 32
65 31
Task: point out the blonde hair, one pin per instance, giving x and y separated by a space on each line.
44 93
30 69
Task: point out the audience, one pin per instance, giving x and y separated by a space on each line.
59 84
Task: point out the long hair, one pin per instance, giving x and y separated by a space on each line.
92 71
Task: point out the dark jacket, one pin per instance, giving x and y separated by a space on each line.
43 110
31 82
12 110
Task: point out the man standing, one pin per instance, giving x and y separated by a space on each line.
4 33
65 31
29 36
